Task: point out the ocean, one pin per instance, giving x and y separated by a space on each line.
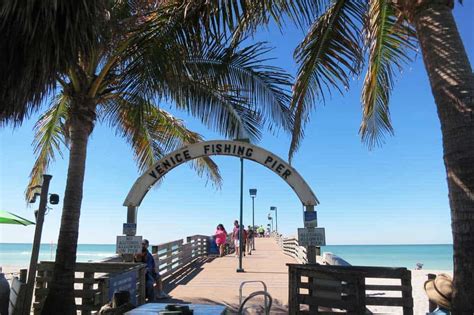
431 256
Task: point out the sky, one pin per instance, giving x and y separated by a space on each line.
394 194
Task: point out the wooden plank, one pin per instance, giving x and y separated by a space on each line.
169 245
381 287
369 272
76 280
78 293
102 267
389 301
317 301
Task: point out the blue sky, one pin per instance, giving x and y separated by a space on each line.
396 194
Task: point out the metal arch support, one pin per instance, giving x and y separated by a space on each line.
218 147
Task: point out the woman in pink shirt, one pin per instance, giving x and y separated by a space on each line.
221 238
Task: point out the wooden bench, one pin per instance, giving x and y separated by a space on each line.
317 289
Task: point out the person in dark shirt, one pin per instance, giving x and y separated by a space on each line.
250 239
151 276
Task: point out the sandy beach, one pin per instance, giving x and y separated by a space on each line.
418 279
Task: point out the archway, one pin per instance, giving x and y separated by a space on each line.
220 147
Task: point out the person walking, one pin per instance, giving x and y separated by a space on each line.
221 238
250 240
235 238
261 231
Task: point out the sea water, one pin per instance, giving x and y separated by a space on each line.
431 256
438 257
16 254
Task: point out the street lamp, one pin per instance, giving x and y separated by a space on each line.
253 194
270 218
241 225
276 217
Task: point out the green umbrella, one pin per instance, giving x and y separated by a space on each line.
10 218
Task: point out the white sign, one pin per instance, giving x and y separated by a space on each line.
129 244
310 219
311 237
129 228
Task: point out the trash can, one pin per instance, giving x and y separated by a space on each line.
213 249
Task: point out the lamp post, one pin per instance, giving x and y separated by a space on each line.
37 238
253 194
241 223
276 217
270 219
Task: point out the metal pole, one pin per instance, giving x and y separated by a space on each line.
241 223
253 222
276 220
36 242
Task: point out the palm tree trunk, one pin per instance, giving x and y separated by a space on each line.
452 84
60 299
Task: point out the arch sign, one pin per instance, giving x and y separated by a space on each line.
310 236
220 147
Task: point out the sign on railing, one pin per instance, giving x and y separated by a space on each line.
311 237
129 244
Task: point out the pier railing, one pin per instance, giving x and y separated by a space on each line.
173 256
93 283
345 287
290 247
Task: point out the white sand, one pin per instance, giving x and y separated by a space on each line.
420 300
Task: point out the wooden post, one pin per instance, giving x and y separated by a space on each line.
293 302
132 215
36 242
406 281
432 306
87 286
310 250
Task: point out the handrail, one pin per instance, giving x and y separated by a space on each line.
174 255
290 247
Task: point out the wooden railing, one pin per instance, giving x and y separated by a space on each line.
172 256
91 283
290 247
92 280
346 288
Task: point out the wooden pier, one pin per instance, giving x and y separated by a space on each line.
215 280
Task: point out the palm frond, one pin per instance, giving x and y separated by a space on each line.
330 54
153 133
265 87
39 40
388 42
49 135
229 88
229 17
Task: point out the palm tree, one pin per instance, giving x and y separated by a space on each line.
143 56
59 29
345 36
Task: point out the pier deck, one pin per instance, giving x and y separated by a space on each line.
215 280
